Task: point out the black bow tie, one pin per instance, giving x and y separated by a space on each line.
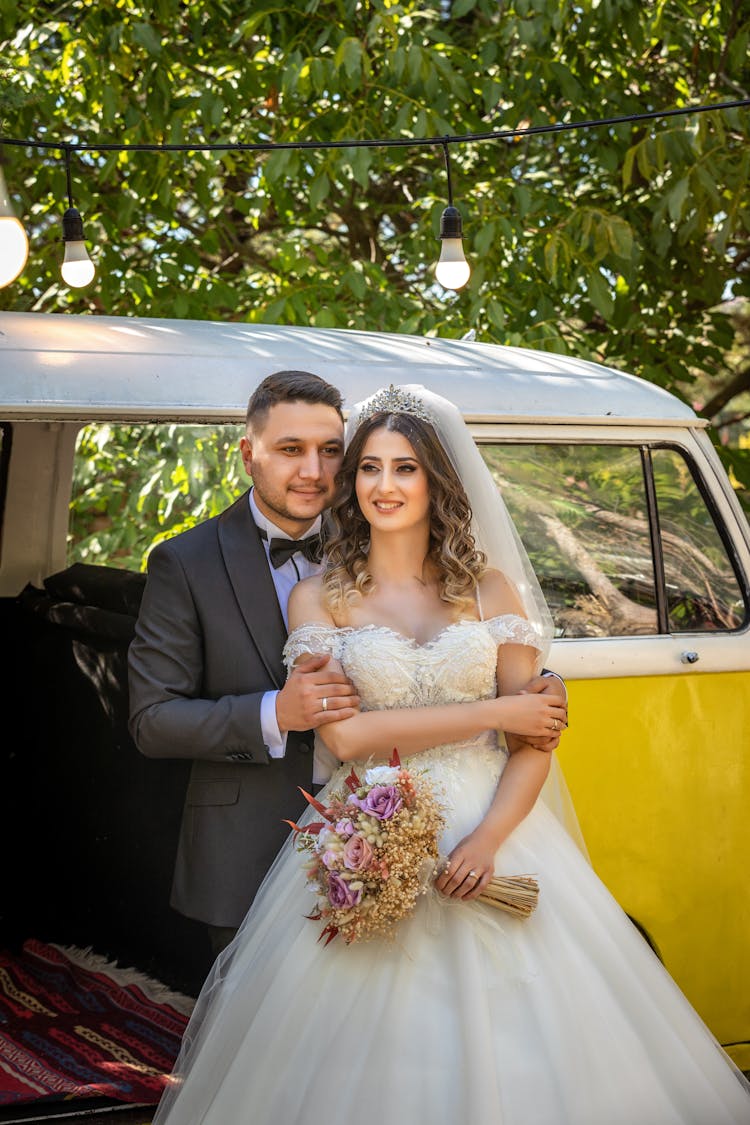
280 550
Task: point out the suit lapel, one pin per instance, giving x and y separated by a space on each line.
250 577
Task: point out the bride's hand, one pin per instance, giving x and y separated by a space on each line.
469 868
532 715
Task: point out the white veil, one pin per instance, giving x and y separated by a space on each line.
495 534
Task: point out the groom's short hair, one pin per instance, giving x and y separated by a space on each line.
290 386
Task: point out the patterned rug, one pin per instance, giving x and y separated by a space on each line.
75 1025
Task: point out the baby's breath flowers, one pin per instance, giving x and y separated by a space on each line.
373 853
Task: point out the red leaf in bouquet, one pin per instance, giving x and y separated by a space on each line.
331 931
314 917
395 759
352 781
315 804
313 828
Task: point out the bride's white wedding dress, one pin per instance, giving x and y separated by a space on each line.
471 1016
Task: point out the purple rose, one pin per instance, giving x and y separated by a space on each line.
344 827
357 853
381 802
340 894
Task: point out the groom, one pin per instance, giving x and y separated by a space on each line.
206 675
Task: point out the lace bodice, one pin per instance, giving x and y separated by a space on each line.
391 670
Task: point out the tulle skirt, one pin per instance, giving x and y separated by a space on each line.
470 1015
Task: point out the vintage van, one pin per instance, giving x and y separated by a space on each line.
627 513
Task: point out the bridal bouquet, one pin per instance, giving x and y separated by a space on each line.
373 852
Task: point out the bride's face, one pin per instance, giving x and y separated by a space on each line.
392 487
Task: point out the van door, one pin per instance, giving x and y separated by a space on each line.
644 562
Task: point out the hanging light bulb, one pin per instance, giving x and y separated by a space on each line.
77 268
14 245
452 269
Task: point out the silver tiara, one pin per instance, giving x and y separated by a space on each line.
394 400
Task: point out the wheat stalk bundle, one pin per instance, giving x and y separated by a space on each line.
516 894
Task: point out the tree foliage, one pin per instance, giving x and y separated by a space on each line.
619 243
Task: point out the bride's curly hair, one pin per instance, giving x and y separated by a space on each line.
452 550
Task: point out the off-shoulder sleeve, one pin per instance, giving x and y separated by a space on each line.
315 637
509 628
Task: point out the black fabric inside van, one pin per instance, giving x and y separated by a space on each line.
89 824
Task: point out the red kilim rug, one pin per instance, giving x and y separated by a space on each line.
74 1025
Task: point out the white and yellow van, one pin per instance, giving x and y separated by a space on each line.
630 520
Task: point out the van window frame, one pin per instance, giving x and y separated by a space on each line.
6 430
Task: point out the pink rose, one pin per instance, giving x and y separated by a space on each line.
340 894
382 802
357 853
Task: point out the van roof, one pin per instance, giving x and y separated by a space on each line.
81 366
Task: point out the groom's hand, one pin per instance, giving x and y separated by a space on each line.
317 692
548 685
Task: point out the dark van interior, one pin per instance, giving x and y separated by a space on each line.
88 825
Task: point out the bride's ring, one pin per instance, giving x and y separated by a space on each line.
324 703
473 874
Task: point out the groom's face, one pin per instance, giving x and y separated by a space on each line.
293 458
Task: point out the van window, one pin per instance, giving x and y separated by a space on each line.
702 591
136 484
584 514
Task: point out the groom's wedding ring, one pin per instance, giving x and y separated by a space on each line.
324 703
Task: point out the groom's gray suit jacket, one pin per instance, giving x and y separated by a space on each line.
207 645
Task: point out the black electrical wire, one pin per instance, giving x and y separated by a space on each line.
382 142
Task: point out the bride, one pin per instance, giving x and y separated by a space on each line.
565 1018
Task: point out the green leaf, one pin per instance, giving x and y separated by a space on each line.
324 318
146 37
523 198
600 295
319 189
620 235
643 161
355 281
349 55
484 238
676 198
627 167
361 162
551 250
461 8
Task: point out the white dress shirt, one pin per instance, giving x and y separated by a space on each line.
285 577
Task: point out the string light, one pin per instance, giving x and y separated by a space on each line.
77 268
452 270
14 245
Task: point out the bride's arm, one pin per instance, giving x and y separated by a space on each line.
414 729
516 794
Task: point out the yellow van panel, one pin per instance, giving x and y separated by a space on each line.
659 770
